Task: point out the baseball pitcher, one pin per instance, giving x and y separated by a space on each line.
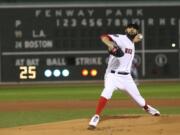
117 77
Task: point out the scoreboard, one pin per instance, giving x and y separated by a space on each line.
61 42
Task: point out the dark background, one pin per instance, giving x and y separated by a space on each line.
84 38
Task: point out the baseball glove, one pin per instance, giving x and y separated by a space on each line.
117 52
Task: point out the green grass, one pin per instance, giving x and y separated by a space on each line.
90 92
50 93
85 92
12 119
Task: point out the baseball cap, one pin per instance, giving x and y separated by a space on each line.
133 25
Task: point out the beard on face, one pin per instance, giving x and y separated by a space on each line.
131 35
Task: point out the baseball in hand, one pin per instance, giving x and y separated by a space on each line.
140 36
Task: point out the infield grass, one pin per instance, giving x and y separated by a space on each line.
85 92
13 119
91 92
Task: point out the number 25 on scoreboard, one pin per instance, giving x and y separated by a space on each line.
27 72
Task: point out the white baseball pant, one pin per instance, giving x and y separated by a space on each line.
114 81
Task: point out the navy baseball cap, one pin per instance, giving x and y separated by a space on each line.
133 25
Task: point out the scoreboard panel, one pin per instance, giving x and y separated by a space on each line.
61 42
53 67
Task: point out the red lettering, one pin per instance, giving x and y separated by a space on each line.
127 50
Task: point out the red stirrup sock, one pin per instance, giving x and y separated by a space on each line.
101 104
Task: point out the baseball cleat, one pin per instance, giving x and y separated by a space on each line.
91 127
93 122
152 111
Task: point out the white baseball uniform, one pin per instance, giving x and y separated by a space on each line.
117 76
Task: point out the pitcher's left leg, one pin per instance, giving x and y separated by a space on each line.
132 90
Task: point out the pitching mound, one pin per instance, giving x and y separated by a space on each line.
115 125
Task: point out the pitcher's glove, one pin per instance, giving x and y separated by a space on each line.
117 52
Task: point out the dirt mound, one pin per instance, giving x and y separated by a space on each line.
114 125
